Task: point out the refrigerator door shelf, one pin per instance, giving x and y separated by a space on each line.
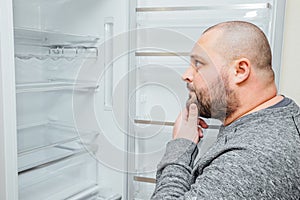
61 180
57 85
47 135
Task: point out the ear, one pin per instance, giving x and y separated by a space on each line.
242 69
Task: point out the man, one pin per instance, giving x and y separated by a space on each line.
257 152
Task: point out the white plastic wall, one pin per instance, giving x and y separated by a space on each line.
8 151
290 69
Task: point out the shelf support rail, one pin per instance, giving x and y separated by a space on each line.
194 8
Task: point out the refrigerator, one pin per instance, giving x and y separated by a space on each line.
90 90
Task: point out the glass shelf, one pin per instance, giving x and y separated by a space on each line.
44 45
48 135
34 37
47 157
69 53
55 85
89 194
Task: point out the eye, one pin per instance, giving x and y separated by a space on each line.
198 64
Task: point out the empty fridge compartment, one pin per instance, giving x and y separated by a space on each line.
143 190
47 135
157 83
144 185
41 136
60 180
161 73
161 23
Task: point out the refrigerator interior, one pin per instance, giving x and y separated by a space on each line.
166 33
59 65
94 111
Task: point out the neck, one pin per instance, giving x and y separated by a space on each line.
259 105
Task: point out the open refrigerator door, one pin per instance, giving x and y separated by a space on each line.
166 32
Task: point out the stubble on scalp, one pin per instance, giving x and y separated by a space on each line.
243 39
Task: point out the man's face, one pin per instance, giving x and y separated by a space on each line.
208 80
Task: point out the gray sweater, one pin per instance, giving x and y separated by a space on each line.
255 157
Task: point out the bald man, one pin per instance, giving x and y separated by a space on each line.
257 151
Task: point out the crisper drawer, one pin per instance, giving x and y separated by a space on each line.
60 180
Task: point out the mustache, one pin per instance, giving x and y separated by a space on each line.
190 87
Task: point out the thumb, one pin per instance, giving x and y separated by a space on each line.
193 115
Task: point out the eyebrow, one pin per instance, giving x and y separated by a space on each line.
196 56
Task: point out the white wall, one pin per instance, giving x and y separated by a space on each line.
290 70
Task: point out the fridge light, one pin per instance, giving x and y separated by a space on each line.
251 14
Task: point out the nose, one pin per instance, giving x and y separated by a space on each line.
188 75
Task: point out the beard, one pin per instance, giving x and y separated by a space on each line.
217 101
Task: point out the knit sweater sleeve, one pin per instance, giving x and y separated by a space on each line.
174 173
176 180
233 173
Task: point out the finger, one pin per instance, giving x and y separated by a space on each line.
182 116
178 119
177 124
185 114
202 123
193 115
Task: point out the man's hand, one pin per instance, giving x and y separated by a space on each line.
188 125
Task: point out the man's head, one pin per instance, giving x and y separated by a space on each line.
228 59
